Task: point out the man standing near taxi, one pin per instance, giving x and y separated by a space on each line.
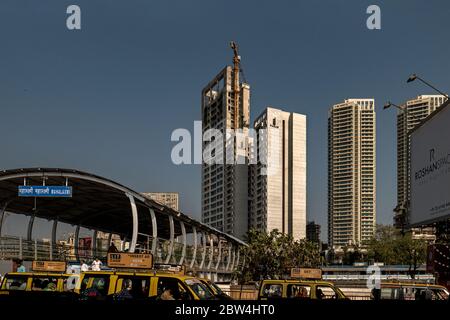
20 266
96 265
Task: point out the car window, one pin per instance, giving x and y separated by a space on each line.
171 289
440 294
70 283
16 283
99 285
273 290
200 289
297 291
44 284
135 287
325 292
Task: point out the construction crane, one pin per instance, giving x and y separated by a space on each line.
236 86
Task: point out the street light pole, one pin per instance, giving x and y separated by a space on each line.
414 77
403 209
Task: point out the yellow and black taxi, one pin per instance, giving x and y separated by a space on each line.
134 276
39 284
305 283
299 289
410 291
123 285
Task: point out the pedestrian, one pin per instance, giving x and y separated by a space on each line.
20 266
84 267
96 265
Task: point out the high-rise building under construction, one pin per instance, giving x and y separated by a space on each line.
226 108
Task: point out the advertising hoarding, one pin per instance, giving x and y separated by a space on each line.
430 169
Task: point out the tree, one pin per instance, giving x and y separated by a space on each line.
391 247
272 255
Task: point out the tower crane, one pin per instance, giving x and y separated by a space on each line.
236 86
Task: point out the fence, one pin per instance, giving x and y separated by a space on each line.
18 248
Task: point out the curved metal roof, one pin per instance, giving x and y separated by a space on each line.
97 202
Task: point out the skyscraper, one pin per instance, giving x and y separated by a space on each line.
278 183
351 172
225 185
412 113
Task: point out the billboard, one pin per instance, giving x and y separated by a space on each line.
430 169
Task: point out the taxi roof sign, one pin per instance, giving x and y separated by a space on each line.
306 273
130 260
49 266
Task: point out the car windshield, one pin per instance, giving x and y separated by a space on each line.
200 289
216 287
440 294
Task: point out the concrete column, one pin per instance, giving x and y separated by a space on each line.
234 260
53 243
2 215
30 228
219 257
154 231
109 239
77 243
183 232
134 214
230 249
204 250
21 248
194 255
94 243
172 236
211 255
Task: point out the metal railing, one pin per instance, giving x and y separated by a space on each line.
19 248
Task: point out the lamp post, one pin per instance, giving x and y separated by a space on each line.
414 77
400 218
389 104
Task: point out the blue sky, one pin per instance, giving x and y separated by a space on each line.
106 99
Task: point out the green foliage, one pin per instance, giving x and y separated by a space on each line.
272 255
391 247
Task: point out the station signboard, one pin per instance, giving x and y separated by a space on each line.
45 191
130 260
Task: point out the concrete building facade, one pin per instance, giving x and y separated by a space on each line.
225 185
313 232
351 173
170 199
278 183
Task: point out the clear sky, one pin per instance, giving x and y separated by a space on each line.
106 99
